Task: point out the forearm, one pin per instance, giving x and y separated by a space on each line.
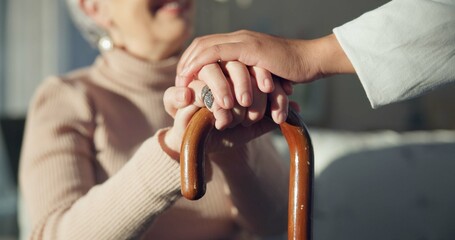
258 184
331 57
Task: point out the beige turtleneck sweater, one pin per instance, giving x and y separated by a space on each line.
92 166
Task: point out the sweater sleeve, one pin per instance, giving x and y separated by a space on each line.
402 49
57 174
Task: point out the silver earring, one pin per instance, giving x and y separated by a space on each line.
105 43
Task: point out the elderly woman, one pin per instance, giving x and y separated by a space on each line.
100 154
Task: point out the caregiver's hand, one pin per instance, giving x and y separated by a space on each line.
298 61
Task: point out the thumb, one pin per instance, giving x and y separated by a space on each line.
176 98
174 136
183 117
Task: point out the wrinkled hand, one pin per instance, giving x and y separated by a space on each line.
183 108
235 77
180 97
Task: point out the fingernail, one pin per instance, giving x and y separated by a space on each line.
281 117
181 95
219 126
227 102
268 84
246 100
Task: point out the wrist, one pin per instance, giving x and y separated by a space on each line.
309 59
332 58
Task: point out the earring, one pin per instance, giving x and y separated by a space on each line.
105 43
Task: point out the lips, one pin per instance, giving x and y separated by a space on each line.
171 5
174 6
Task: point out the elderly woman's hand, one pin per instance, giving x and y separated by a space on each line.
234 136
235 79
243 123
246 113
176 98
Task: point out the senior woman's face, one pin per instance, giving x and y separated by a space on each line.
151 29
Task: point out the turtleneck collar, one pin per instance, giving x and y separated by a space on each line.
130 71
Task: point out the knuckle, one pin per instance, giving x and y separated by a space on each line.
207 70
217 49
243 32
256 43
216 109
197 40
240 32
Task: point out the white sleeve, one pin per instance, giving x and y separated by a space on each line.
402 49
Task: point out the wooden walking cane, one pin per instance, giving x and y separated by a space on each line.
301 168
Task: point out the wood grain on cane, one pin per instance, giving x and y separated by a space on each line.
301 168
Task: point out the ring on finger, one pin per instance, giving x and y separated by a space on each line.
207 96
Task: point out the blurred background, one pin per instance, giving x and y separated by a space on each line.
380 174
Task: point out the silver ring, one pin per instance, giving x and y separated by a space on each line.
207 96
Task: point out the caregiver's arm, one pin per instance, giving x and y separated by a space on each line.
399 51
295 60
402 49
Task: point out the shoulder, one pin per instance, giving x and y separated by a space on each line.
72 81
65 95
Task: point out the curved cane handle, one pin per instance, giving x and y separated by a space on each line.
192 154
301 168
